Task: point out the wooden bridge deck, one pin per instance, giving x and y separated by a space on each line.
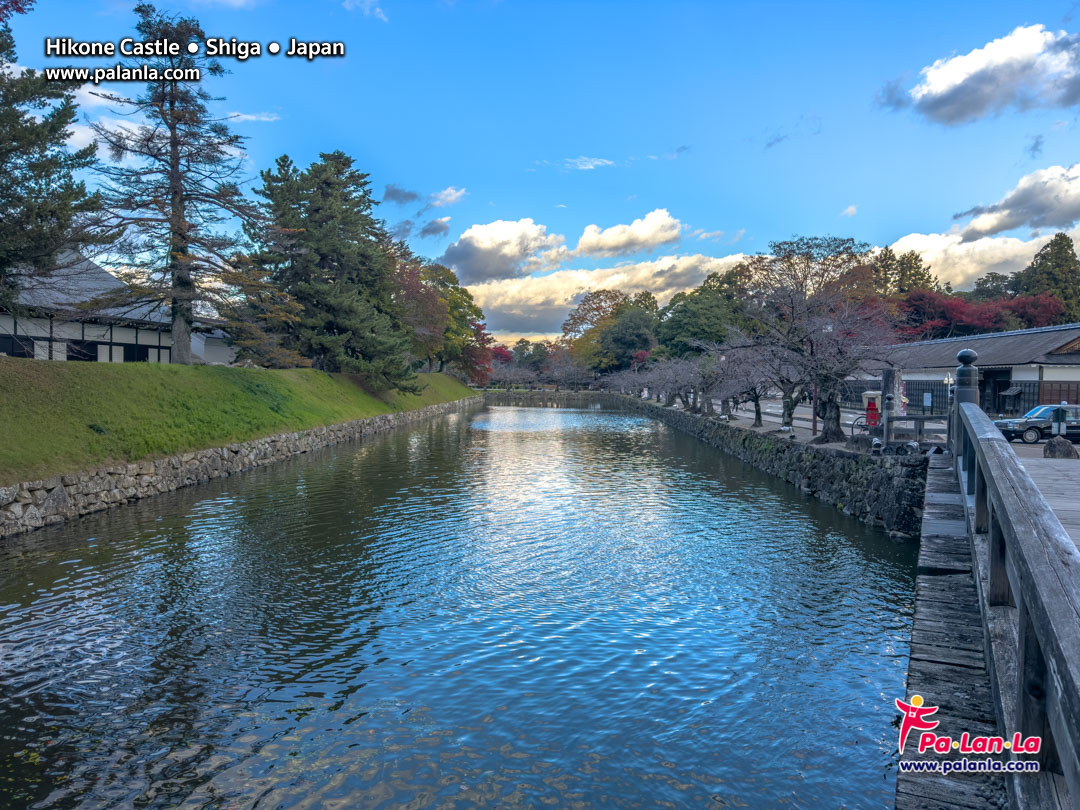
947 664
1058 479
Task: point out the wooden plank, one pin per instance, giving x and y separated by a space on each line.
948 653
934 791
947 663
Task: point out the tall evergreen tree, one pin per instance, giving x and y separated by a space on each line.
898 275
913 274
171 186
1054 270
325 248
43 208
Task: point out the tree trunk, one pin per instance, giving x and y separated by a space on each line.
788 419
757 413
830 422
179 267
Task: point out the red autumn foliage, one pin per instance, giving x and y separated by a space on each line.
476 355
11 7
930 315
501 354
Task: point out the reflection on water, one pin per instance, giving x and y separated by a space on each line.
521 607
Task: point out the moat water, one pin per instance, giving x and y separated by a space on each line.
517 607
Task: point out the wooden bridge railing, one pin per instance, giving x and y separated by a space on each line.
1028 576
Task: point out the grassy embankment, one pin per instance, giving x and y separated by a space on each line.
62 417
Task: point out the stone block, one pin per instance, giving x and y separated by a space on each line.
56 502
1059 447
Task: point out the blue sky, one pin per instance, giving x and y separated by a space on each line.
579 144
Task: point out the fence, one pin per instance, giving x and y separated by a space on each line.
916 391
851 392
1051 393
1027 574
1031 393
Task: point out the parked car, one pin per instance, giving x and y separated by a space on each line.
1038 424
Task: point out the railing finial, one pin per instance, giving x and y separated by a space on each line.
967 377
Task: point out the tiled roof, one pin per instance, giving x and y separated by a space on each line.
77 281
1021 347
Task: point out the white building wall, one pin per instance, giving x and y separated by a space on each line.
123 334
1025 373
1061 373
209 349
32 327
215 350
931 374
66 330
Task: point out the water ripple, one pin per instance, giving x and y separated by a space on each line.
520 607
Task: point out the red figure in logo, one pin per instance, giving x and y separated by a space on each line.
915 715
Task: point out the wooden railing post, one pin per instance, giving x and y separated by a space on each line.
1031 679
967 390
982 505
998 592
886 418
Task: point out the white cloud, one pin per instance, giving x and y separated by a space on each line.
586 163
85 97
448 196
267 117
503 249
1046 198
959 261
710 234
654 229
1030 67
85 134
370 8
739 234
539 304
508 249
81 135
850 211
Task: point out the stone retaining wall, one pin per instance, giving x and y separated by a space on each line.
33 504
884 491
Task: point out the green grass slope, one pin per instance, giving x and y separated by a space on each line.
61 417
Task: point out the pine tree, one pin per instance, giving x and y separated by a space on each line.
324 247
899 275
913 274
1054 270
43 208
172 185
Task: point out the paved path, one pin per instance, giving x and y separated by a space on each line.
947 664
